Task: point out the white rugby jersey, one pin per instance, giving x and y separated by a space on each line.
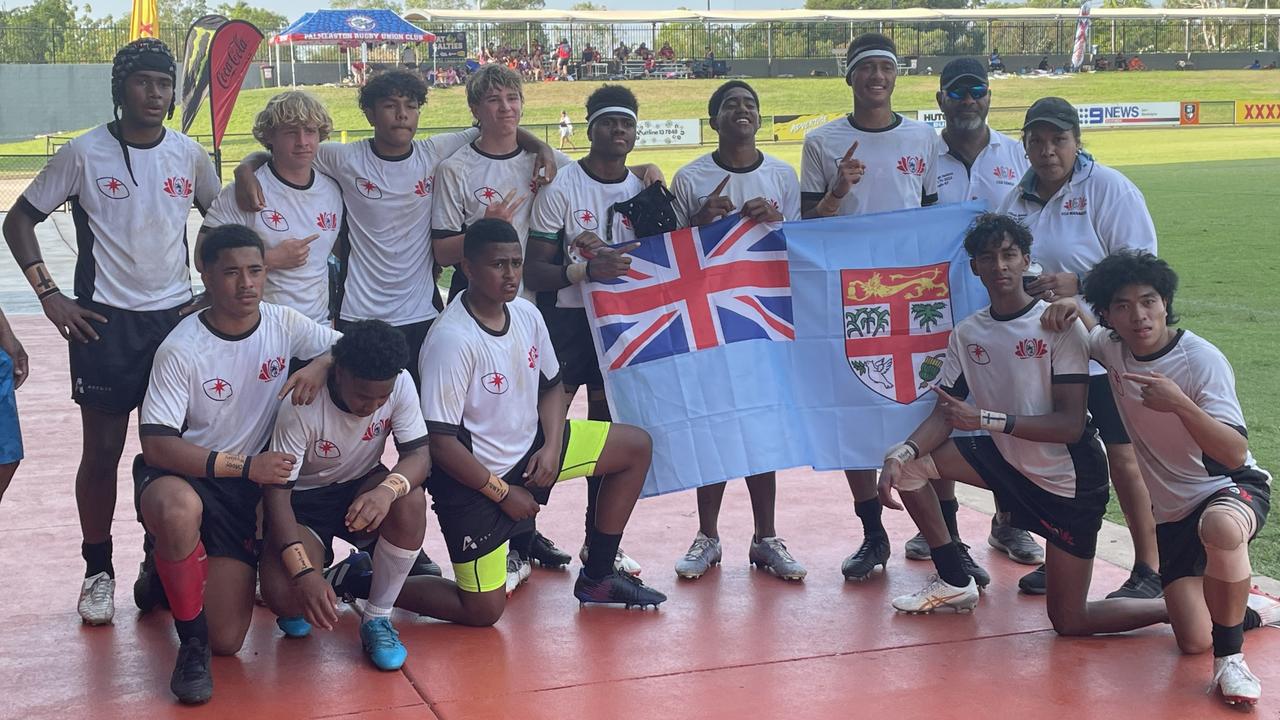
769 178
471 179
1010 365
996 171
1178 474
336 446
487 383
389 275
131 238
577 202
219 392
292 212
901 164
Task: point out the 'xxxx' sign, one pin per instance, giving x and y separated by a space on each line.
1253 111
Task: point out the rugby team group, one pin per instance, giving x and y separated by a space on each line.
266 401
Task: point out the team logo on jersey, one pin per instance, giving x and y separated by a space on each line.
487 195
586 219
626 222
376 429
113 188
1030 349
495 383
327 221
911 165
326 449
978 354
533 356
424 186
274 220
368 188
273 368
217 389
533 187
1244 494
178 187
1075 206
896 325
1003 172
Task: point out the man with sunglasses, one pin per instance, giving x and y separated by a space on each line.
977 163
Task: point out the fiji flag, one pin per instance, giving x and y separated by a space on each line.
694 344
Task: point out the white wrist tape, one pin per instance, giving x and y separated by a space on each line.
996 422
901 452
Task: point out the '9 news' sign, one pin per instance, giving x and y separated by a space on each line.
1130 114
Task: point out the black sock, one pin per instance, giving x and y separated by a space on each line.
1227 640
946 558
601 550
949 510
593 491
521 543
1252 620
97 558
869 512
196 627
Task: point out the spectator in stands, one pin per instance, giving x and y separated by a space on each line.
995 64
666 52
588 54
563 53
645 53
1121 63
710 56
649 64
621 54
1044 64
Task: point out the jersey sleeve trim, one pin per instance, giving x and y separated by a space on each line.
814 196
960 389
413 444
442 233
443 428
157 430
545 383
1070 379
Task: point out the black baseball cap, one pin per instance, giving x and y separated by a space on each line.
963 69
1053 110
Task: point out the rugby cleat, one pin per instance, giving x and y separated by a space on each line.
1014 542
974 570
702 555
938 595
873 551
1035 582
621 562
518 571
1232 678
97 605
546 552
148 593
352 577
917 548
616 588
1143 584
192 681
382 644
1267 607
771 555
423 565
294 627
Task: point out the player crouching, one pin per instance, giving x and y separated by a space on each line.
493 402
343 490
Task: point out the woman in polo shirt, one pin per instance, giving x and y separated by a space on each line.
1079 212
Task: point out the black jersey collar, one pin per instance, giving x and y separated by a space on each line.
1006 318
310 181
1177 336
204 320
390 158
715 157
506 318
897 120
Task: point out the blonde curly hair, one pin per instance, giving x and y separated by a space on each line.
292 107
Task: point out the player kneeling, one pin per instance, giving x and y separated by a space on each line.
340 489
1177 396
495 408
1042 460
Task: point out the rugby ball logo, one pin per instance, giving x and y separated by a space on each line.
495 383
113 188
274 220
368 188
217 389
487 195
326 449
586 219
978 354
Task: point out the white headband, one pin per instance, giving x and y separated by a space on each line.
872 53
611 110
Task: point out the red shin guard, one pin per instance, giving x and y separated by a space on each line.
183 582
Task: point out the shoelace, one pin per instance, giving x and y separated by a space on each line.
699 547
192 663
99 593
1236 663
384 635
780 548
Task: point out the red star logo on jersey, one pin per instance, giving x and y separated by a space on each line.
1030 349
217 389
178 187
326 449
911 165
487 195
626 222
586 219
376 429
368 188
274 220
424 186
495 383
113 188
978 354
273 368
533 356
327 221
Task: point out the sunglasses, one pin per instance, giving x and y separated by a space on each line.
977 92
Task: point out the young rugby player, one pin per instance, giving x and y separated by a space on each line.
978 163
1080 211
1025 385
304 211
131 184
1176 394
493 402
13 372
340 489
871 160
577 212
209 409
737 177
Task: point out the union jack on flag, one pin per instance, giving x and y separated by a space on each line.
694 289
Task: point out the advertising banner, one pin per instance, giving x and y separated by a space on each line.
668 132
1254 112
1130 114
794 127
451 46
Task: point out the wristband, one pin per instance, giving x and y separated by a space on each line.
397 484
576 272
993 421
295 560
495 488
902 452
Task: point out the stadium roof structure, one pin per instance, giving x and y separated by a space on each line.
903 15
350 27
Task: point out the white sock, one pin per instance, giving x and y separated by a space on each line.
391 565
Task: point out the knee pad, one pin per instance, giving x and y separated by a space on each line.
1225 528
917 473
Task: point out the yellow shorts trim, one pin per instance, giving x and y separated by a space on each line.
582 452
485 573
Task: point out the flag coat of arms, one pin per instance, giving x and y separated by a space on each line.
694 344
